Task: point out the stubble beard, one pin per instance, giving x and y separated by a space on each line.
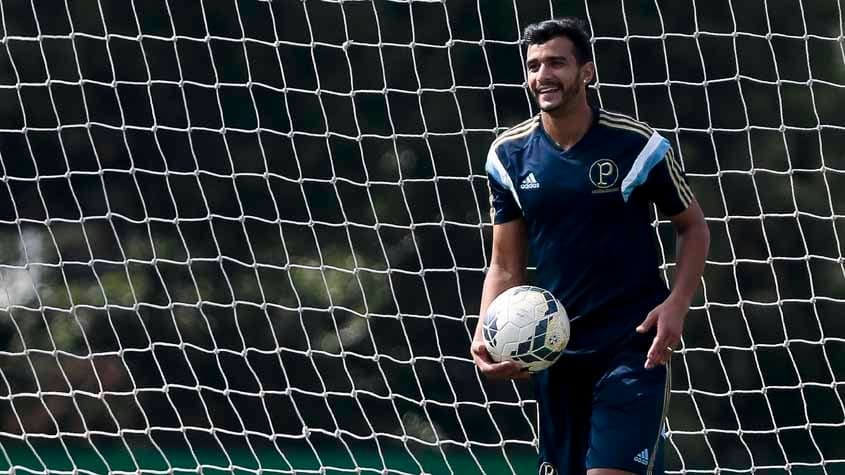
568 92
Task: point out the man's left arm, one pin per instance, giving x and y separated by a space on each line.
693 239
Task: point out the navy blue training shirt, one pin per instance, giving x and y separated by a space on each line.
587 211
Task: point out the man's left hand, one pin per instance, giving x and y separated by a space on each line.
669 317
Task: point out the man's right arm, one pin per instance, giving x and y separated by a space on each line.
507 269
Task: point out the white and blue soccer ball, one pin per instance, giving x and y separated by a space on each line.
528 325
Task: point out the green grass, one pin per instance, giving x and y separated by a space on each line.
52 456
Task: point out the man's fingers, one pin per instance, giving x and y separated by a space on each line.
480 354
504 370
649 322
656 353
660 351
654 362
490 367
497 370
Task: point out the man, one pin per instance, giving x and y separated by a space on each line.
576 185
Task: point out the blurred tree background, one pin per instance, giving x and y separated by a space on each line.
251 235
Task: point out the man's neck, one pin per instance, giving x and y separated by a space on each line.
568 127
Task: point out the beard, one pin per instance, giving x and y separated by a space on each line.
566 96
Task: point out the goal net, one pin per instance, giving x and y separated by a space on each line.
249 236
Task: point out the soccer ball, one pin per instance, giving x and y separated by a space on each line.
528 325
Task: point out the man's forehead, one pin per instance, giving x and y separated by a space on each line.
555 47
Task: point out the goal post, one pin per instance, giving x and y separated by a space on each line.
250 236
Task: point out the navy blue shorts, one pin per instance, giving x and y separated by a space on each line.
598 411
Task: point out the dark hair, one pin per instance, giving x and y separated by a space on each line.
571 27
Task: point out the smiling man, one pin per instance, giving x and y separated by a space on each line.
576 185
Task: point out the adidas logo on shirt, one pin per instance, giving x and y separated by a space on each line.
642 457
529 183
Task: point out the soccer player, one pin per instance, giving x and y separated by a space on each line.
576 184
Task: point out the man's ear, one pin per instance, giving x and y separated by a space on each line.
588 72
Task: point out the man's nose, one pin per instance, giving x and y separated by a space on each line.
544 71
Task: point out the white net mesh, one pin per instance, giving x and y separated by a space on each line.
250 236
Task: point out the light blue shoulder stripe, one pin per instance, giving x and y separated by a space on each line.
496 171
653 152
494 167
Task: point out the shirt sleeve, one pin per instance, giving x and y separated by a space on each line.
667 186
504 203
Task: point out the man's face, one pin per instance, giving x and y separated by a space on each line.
554 76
